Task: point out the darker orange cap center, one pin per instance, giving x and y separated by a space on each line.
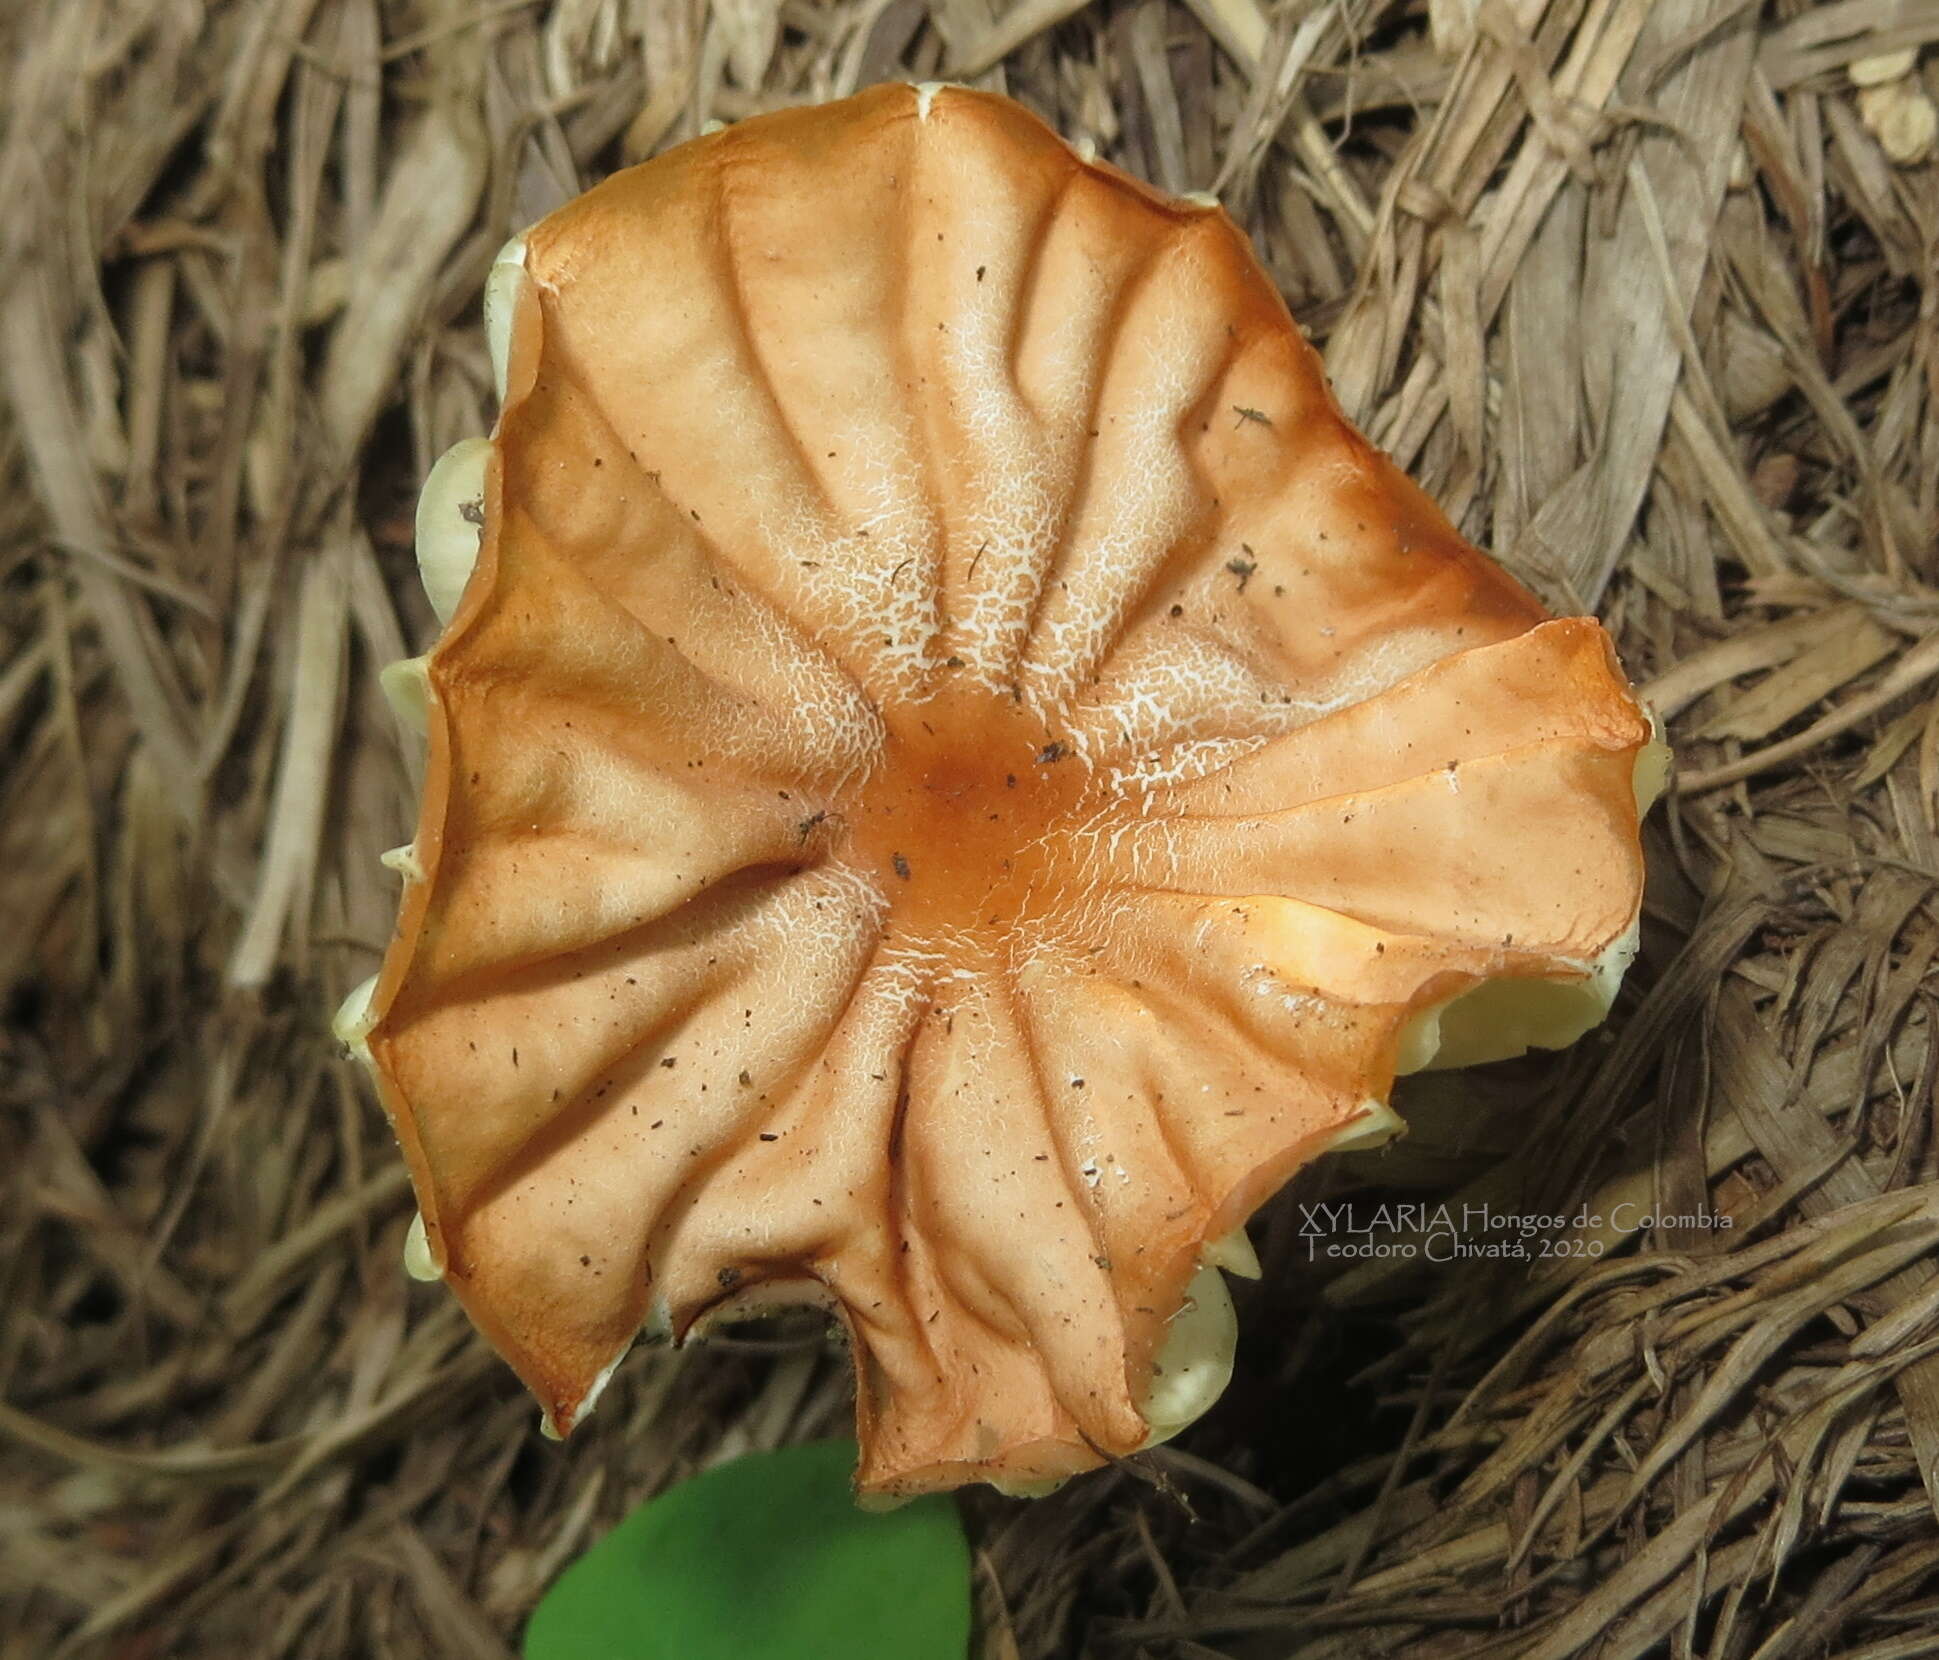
963 822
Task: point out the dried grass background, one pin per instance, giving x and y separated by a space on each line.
1644 293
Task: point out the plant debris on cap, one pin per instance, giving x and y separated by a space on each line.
956 771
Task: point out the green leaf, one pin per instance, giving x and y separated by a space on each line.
765 1558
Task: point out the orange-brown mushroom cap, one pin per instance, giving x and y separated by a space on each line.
954 774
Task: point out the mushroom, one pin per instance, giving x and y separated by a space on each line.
953 772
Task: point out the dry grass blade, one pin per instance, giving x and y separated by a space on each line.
1642 290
